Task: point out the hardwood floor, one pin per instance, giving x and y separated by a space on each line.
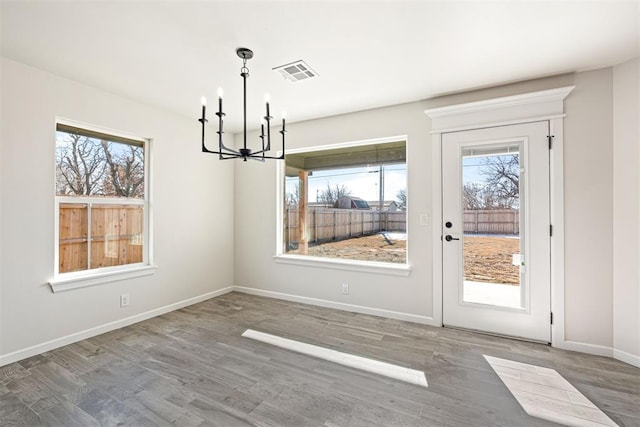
191 367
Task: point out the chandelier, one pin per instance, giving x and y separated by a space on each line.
244 153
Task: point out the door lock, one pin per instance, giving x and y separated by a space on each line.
449 238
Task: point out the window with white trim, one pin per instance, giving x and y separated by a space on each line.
102 209
346 202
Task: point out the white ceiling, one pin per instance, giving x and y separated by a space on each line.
368 53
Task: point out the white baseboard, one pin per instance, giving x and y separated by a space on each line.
425 320
598 350
92 332
625 357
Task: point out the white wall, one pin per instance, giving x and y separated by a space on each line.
626 212
588 175
193 217
195 222
256 234
588 210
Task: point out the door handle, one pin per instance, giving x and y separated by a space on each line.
449 238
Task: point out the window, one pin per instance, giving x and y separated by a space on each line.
346 202
101 202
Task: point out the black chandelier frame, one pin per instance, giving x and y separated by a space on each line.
226 153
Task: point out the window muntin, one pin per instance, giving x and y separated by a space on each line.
101 204
355 203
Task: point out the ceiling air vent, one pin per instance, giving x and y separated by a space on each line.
296 71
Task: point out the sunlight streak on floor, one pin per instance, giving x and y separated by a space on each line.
544 393
408 375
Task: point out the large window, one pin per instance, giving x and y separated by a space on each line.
347 202
101 201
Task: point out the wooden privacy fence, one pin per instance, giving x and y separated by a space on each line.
326 224
113 238
498 221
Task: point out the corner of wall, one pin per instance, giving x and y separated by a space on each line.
192 248
626 212
2 61
588 180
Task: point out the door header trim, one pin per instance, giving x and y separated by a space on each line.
522 108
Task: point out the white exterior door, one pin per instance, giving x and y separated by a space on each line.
496 230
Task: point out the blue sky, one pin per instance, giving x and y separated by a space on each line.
471 168
363 182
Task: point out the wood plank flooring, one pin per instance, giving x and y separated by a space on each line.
191 367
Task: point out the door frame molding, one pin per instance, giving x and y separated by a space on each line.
546 105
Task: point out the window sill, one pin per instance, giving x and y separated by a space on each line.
68 283
350 265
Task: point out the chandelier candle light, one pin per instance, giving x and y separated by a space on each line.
244 153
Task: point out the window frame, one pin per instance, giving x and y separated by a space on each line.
89 277
376 267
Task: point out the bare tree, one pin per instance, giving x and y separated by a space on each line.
472 196
330 195
125 176
87 166
80 166
482 196
293 197
502 175
401 195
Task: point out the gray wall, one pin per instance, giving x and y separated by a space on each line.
197 253
588 211
256 235
588 206
193 243
626 210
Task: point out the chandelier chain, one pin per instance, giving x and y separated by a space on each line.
244 69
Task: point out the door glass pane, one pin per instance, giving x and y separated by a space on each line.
491 203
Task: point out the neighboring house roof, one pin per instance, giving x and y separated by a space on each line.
386 204
350 202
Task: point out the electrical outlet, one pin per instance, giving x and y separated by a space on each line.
345 289
124 300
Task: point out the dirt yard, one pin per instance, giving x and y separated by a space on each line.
487 259
366 248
